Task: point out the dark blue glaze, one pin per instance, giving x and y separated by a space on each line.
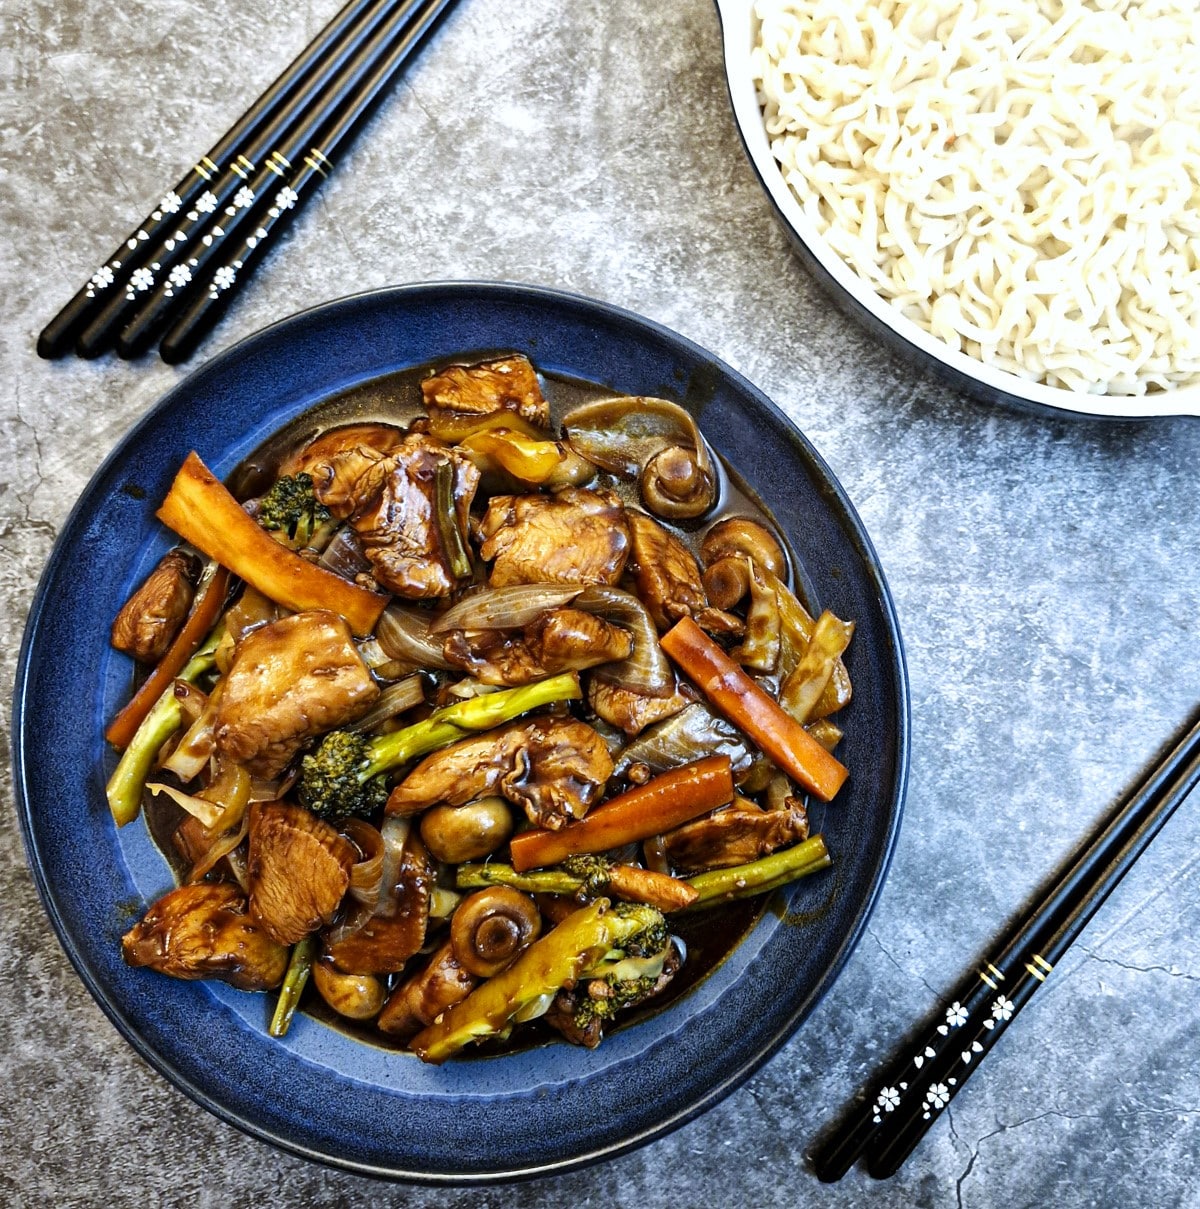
319 1093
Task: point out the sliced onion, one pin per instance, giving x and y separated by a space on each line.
199 742
251 611
760 648
230 790
393 836
207 812
646 670
464 690
262 790
192 700
654 440
394 699
224 845
366 875
535 1008
443 902
507 608
354 920
403 632
684 737
235 858
344 556
394 833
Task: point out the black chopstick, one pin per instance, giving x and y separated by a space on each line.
915 1088
59 335
228 194
230 271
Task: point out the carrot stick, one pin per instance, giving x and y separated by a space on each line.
200 509
200 620
669 799
660 890
732 692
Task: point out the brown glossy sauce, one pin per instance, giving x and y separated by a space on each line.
710 935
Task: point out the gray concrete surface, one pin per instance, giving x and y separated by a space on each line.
1045 571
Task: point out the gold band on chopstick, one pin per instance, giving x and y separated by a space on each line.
203 171
279 164
986 978
318 161
1043 963
243 167
1035 971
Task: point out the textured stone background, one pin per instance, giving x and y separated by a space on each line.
1045 572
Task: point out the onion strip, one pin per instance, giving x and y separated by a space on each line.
507 608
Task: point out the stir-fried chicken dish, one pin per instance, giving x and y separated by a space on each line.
457 718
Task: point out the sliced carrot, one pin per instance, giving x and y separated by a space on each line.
192 633
671 798
200 509
661 890
750 709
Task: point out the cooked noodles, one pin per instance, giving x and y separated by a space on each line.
1020 178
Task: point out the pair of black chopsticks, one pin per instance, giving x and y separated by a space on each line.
884 1130
176 274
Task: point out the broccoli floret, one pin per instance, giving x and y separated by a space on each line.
621 994
345 774
336 780
627 975
291 507
653 938
593 871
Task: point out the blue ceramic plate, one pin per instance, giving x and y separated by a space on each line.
319 1093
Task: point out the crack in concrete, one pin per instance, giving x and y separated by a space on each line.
762 1108
908 973
1128 965
1108 1115
1136 909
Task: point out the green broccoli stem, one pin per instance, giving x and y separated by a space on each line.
537 881
453 722
294 982
124 788
760 876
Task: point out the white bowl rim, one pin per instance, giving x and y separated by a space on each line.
739 25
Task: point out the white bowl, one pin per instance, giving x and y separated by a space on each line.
739 31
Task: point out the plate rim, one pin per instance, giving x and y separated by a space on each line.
849 522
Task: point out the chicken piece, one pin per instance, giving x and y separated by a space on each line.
554 768
509 384
668 578
396 931
561 640
630 711
203 931
733 836
290 680
298 870
418 1002
579 536
665 570
398 529
151 617
341 463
